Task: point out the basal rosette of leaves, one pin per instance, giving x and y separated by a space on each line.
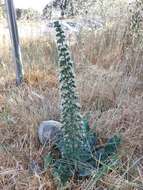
77 145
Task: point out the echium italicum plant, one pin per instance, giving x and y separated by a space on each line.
78 154
70 108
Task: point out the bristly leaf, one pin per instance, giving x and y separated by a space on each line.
86 125
70 112
109 149
48 161
112 145
77 146
62 170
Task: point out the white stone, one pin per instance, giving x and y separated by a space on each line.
49 132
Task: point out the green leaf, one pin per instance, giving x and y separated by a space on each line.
62 170
85 169
48 160
57 24
59 41
86 125
112 145
109 149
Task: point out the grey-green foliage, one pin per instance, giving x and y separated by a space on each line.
70 108
91 159
77 146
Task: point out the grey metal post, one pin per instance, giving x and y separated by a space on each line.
11 16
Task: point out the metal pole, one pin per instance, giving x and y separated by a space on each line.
11 16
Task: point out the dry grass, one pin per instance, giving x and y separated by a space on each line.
113 96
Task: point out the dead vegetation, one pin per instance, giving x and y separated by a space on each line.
113 96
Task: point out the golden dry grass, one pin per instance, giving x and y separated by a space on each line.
112 96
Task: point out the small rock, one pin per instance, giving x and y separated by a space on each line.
49 132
